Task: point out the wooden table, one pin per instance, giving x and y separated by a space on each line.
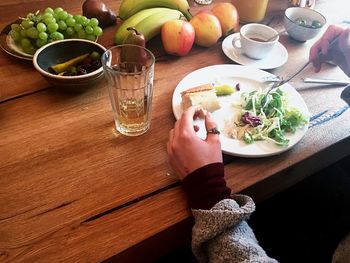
73 190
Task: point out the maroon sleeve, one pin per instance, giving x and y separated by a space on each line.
206 186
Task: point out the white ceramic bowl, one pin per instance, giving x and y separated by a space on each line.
298 30
64 50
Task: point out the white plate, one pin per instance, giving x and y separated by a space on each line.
277 57
249 78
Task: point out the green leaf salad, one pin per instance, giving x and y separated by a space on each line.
265 116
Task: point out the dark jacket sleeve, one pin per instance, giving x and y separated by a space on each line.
206 186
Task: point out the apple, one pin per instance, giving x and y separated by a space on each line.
177 37
228 17
207 27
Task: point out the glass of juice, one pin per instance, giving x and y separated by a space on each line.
129 70
251 10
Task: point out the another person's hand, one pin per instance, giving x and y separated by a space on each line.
187 152
339 52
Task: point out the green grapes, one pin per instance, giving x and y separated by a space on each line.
41 27
93 22
97 31
32 32
43 35
70 21
62 25
37 29
16 36
49 10
62 15
25 42
16 27
89 30
78 27
56 36
52 27
26 23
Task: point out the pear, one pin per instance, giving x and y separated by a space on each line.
98 9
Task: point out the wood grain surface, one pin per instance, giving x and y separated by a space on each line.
74 190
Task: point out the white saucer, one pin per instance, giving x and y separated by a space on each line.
277 57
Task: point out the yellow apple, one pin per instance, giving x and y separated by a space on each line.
228 17
207 28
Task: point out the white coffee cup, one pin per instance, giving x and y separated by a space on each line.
256 40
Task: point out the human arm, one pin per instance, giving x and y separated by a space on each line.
220 233
325 49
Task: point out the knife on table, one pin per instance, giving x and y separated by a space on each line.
326 81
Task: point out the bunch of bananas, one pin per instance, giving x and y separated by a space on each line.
148 16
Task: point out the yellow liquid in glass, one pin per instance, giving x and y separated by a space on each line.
251 10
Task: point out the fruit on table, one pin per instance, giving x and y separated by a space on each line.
148 22
122 31
133 57
228 17
129 8
207 28
177 37
224 89
80 65
59 68
99 10
135 37
36 30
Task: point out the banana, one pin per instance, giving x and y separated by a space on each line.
151 26
130 7
132 21
148 25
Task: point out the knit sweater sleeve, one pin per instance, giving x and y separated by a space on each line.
220 232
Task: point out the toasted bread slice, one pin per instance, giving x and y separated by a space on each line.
203 96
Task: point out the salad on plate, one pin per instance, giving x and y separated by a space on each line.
264 115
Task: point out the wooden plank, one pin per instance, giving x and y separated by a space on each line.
96 239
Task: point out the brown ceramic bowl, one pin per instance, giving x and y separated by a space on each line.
64 50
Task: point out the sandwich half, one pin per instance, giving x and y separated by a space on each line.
203 96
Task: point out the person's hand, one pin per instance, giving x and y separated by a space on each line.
339 52
187 152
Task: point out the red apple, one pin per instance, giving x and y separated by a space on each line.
228 17
177 37
207 27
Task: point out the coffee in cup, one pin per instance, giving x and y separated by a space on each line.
256 40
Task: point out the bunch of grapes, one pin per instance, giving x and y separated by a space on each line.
38 29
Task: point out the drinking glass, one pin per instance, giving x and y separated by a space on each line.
251 10
129 70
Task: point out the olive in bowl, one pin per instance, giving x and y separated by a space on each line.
73 64
302 23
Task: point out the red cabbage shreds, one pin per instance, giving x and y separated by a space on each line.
238 87
251 120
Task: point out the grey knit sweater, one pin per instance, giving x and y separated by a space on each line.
221 234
